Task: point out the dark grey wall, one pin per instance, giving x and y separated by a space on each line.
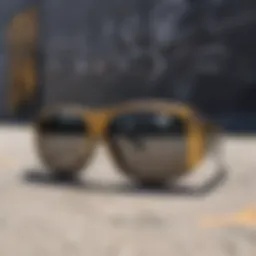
200 51
99 52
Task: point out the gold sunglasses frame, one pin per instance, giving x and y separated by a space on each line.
202 135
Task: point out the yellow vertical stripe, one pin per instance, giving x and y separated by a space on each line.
22 35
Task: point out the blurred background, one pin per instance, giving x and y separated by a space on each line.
97 52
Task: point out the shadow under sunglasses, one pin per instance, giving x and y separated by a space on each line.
40 177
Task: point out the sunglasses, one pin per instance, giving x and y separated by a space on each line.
151 141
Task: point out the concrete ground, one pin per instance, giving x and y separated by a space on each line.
103 216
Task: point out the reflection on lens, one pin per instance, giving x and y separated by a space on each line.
62 141
62 124
150 147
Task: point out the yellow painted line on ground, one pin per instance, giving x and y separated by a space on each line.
246 218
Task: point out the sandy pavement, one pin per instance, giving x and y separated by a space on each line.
105 216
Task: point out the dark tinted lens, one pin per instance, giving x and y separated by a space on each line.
151 145
62 124
62 141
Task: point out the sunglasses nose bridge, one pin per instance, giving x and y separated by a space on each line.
97 121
